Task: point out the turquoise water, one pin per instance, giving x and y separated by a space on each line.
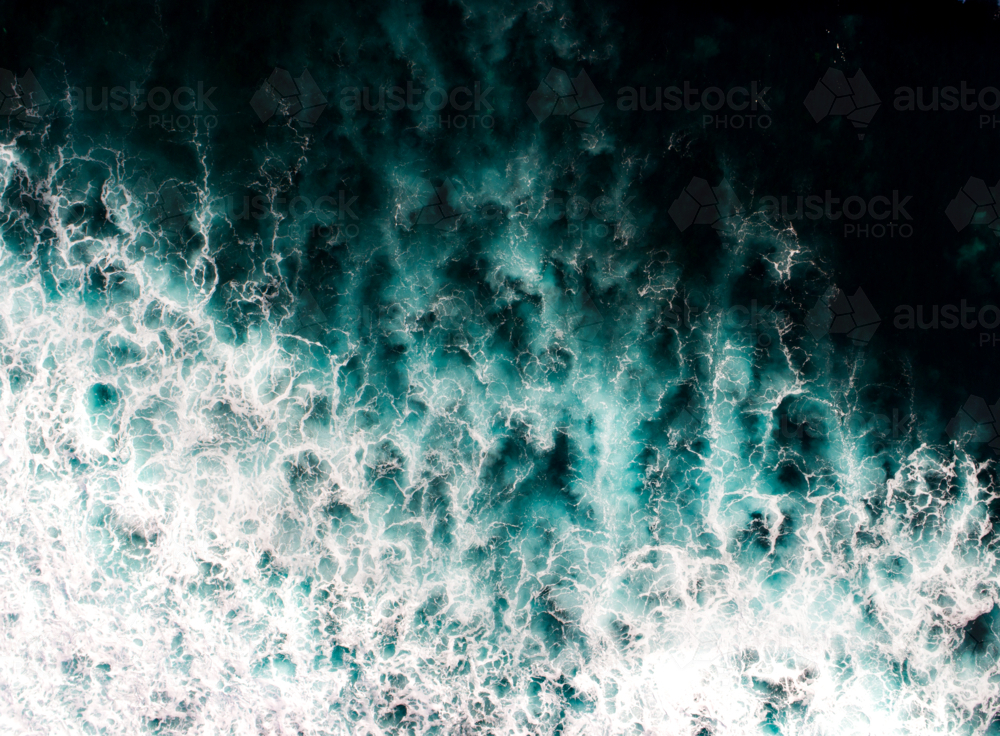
381 426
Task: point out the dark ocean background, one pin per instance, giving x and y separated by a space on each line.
517 412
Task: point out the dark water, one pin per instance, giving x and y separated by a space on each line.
498 368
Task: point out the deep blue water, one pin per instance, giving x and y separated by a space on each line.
498 368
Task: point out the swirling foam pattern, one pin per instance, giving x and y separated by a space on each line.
329 468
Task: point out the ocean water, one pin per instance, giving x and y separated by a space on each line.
517 412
